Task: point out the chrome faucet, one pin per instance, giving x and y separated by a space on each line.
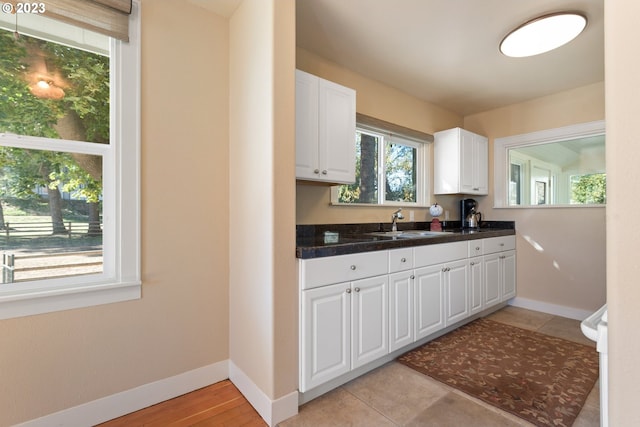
394 219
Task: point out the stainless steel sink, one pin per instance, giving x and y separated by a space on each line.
410 234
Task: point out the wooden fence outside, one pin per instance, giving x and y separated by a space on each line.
43 229
72 259
21 267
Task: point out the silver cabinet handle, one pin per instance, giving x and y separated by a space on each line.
353 267
348 290
501 244
473 263
324 172
403 260
316 171
357 289
412 277
446 269
477 248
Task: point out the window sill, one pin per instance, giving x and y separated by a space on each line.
40 301
376 205
548 206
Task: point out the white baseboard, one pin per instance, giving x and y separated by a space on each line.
545 307
126 402
272 411
116 405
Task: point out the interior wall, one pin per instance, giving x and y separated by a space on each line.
263 297
623 175
251 146
561 251
382 102
554 275
55 361
286 289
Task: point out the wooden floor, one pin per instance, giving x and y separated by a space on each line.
220 404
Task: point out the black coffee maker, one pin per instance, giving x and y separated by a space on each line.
469 213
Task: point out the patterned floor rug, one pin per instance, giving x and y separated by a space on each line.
539 378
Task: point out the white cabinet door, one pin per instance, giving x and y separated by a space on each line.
456 285
325 130
468 162
306 126
508 261
492 281
476 285
337 133
428 296
481 167
369 325
400 310
326 334
500 277
461 162
474 163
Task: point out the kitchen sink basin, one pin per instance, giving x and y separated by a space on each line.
410 234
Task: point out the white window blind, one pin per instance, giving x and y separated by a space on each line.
108 17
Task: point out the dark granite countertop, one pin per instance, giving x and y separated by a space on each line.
311 241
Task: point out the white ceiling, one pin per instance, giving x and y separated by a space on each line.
221 7
446 51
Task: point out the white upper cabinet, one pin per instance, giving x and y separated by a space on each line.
325 130
461 162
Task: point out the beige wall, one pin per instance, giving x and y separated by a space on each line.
557 275
561 251
382 102
622 42
55 361
263 287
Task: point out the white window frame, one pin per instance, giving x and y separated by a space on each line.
501 147
422 162
121 277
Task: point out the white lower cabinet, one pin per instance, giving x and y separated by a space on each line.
441 297
369 309
355 309
476 285
325 334
508 270
499 270
344 327
456 288
492 284
401 327
429 300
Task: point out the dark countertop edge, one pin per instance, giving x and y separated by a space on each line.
310 241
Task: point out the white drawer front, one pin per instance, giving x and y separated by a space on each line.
437 254
342 268
476 247
499 244
400 259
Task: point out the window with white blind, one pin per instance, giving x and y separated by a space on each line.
69 160
391 168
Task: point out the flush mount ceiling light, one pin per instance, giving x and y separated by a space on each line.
543 34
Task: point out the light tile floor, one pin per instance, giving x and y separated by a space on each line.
395 395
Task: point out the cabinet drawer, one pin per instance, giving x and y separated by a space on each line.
476 247
499 244
343 268
400 259
437 254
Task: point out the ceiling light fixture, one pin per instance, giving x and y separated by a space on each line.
543 34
